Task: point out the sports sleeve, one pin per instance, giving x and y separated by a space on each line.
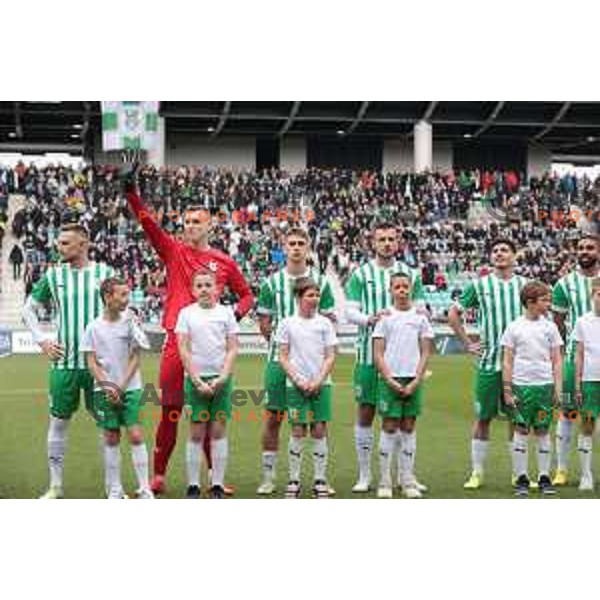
266 300
418 293
41 292
239 286
31 319
468 298
508 338
232 327
330 335
282 335
87 342
560 299
380 329
354 288
556 338
354 293
137 334
426 330
327 301
182 325
163 243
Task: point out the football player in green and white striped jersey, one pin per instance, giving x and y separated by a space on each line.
276 301
73 288
496 297
571 299
368 298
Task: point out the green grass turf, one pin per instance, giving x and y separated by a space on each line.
443 437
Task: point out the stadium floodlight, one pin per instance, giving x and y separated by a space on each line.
77 126
210 129
467 136
12 134
341 132
591 138
74 136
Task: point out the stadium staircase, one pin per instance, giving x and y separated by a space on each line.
13 292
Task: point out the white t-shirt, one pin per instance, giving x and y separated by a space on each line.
208 329
402 330
307 340
587 331
532 343
113 342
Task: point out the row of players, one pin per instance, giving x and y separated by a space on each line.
74 288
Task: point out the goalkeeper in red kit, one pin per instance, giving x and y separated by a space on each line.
182 259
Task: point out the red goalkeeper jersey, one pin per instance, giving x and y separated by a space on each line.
182 261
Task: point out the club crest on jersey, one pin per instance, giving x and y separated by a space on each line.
212 265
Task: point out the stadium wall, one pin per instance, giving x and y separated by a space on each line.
222 151
292 154
398 155
539 161
443 156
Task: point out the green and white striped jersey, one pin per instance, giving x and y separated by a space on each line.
75 294
276 299
369 290
572 295
498 304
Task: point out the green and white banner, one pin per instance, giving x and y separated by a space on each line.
129 125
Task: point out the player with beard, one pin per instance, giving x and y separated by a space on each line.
571 299
368 298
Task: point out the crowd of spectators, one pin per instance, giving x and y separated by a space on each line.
449 219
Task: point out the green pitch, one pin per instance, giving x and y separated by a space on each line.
442 456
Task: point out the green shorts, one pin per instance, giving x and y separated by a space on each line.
275 385
534 404
309 409
214 408
489 395
64 391
394 406
111 416
590 406
364 380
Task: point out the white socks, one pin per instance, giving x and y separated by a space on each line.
543 454
320 453
564 430
219 451
139 457
112 471
387 446
479 450
364 446
192 461
584 449
407 458
269 462
295 448
57 441
519 453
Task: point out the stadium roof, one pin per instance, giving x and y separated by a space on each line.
564 127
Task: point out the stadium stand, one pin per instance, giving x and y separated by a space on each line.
449 219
